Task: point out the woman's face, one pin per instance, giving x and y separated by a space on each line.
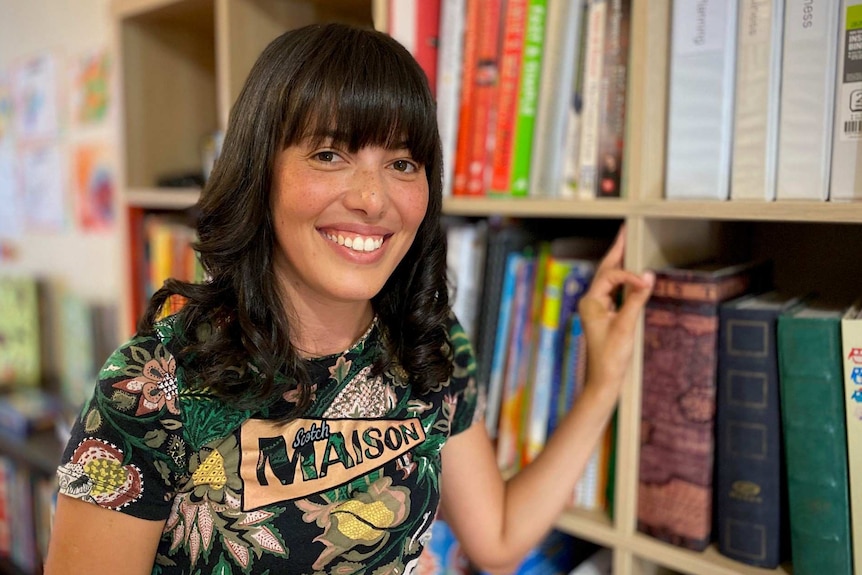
343 221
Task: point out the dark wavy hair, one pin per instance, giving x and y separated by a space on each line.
308 82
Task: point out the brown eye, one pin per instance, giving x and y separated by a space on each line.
404 166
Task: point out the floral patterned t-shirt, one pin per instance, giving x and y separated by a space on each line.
351 486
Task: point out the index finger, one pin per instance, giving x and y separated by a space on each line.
614 256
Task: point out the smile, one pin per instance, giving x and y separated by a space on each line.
356 243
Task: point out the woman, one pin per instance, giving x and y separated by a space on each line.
313 403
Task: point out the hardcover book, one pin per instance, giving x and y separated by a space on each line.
751 496
807 99
612 104
815 441
588 147
559 63
700 99
502 144
677 417
504 240
846 174
851 351
450 57
758 79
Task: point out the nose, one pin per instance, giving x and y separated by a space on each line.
368 193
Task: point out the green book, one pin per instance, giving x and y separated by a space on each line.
528 97
815 441
20 364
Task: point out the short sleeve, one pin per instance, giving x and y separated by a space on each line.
463 386
126 450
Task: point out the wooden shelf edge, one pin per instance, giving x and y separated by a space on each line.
594 526
127 8
707 562
162 198
787 211
538 207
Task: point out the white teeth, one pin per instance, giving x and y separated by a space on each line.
357 243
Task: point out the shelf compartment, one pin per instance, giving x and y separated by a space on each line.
168 71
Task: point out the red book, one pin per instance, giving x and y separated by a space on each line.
507 101
485 95
466 124
416 25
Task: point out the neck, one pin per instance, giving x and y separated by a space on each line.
318 331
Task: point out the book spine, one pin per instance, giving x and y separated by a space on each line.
851 347
484 108
700 99
449 65
758 74
814 425
574 112
503 141
509 434
678 411
574 285
807 99
611 138
528 97
497 379
466 119
559 62
750 490
548 332
846 170
588 148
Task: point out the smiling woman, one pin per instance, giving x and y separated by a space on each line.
314 402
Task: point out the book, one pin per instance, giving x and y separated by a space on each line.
463 160
751 493
443 555
509 434
557 554
559 63
700 99
755 119
846 175
416 25
20 337
569 356
574 111
465 259
26 411
450 55
528 97
851 352
677 416
809 56
503 238
612 101
549 355
588 146
502 144
813 421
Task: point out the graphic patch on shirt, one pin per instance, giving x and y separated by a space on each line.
282 462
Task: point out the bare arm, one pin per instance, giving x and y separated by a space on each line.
86 538
498 522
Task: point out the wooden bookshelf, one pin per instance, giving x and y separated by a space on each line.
178 89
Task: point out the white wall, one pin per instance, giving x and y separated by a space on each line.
91 264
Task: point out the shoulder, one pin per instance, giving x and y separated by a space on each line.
462 385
